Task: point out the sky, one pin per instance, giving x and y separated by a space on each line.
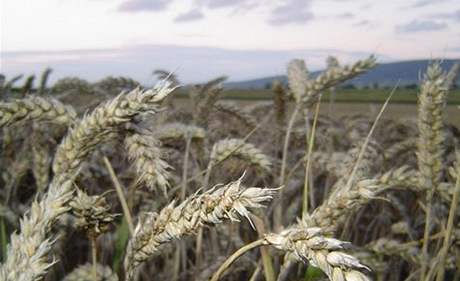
202 39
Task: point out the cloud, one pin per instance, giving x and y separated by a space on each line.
345 16
423 3
139 61
191 15
215 4
420 26
362 23
291 12
144 5
451 16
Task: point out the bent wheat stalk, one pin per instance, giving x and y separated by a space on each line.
308 244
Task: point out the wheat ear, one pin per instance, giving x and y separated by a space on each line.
334 76
172 132
430 145
310 244
144 151
28 251
231 109
36 109
104 119
226 148
84 273
211 207
336 209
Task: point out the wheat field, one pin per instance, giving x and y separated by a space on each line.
130 186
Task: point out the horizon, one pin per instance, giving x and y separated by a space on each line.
202 39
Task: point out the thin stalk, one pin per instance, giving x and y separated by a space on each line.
185 168
269 272
279 208
255 274
3 238
94 257
182 256
176 264
235 256
121 196
426 233
310 143
450 227
366 142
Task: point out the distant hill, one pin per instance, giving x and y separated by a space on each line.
385 74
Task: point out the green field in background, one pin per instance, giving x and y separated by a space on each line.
345 95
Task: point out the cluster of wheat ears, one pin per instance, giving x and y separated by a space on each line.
102 190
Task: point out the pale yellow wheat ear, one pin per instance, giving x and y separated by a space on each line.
236 112
333 77
334 212
430 145
239 148
35 108
84 273
298 79
228 202
110 85
28 252
41 164
171 133
104 119
204 97
144 151
71 85
92 213
310 244
452 75
430 122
